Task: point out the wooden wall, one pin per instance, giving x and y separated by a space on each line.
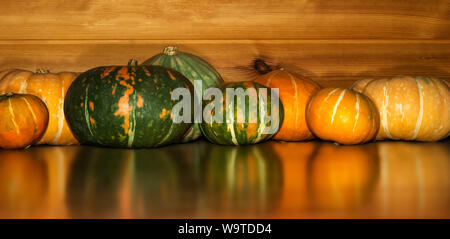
332 41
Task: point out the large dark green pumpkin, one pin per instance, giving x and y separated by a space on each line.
193 68
241 133
125 106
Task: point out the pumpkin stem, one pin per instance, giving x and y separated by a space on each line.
170 50
9 93
42 71
132 62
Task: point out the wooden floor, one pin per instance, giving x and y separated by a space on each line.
202 180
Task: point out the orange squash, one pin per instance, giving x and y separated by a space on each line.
295 93
50 88
343 116
410 108
23 120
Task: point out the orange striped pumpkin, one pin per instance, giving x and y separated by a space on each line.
50 88
295 93
410 108
342 115
23 120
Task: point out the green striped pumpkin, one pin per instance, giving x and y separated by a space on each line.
193 68
240 133
125 106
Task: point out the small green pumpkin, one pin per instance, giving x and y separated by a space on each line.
193 68
241 132
125 106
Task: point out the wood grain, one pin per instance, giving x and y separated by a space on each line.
329 62
226 19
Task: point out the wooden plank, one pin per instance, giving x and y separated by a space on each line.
208 19
329 62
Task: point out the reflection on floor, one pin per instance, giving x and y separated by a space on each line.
201 180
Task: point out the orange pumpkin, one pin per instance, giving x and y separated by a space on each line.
410 108
23 120
50 88
295 93
343 116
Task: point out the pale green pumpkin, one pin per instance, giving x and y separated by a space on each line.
193 68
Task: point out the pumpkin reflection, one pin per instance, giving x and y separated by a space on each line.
58 161
242 179
342 177
107 182
193 155
95 178
414 179
158 179
294 158
33 181
24 183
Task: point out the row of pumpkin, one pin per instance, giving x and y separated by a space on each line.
130 106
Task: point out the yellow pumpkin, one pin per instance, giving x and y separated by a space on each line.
410 108
343 116
50 88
